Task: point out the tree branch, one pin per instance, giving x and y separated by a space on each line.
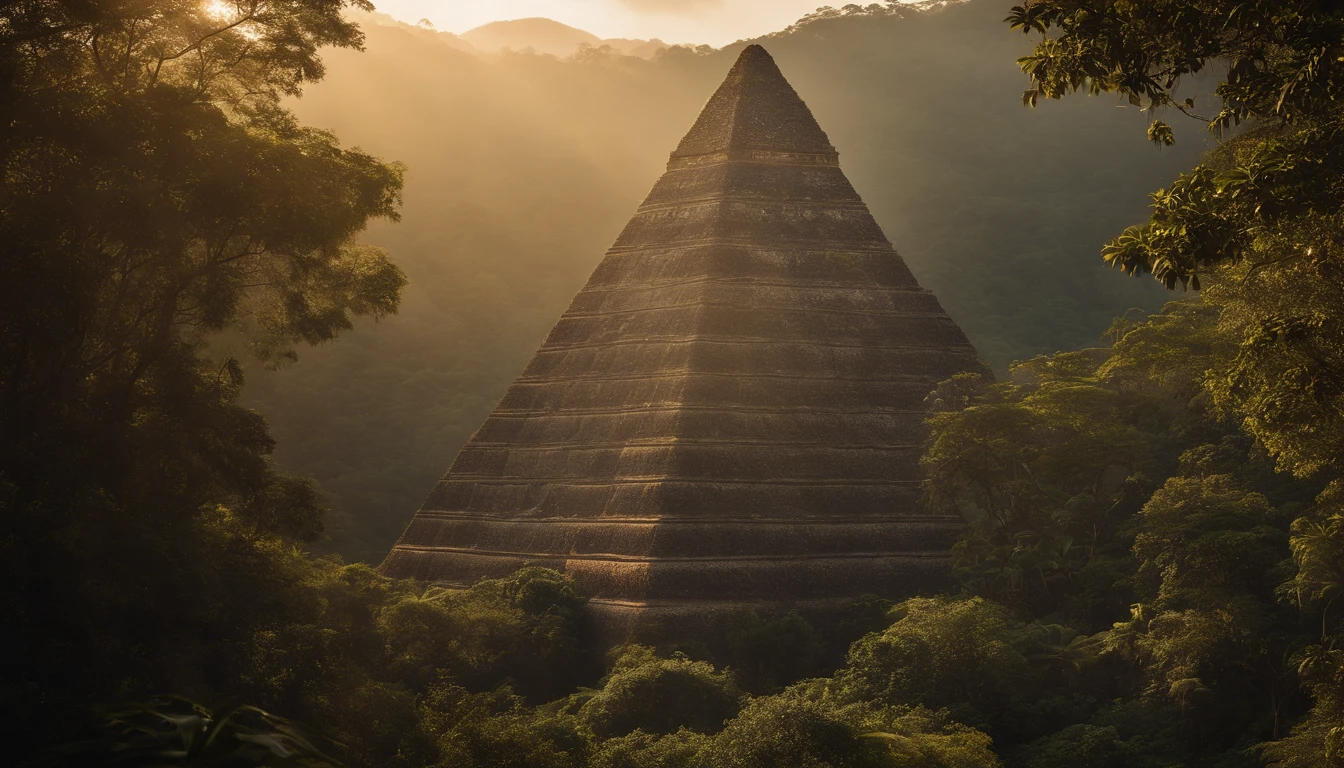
201 41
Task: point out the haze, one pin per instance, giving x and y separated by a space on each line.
525 168
715 22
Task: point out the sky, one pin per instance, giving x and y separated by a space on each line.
715 22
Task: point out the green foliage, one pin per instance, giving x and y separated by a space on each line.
863 615
642 750
1280 69
1170 353
1090 746
525 625
496 730
769 653
1045 472
1283 382
1197 533
1212 641
1317 739
174 732
1314 744
359 656
768 648
1318 552
522 628
1052 469
1203 540
661 696
155 197
792 730
807 726
966 656
918 738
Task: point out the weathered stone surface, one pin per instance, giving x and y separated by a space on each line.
730 412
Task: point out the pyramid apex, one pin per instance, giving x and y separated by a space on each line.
754 108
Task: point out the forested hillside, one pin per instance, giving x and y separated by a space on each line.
1153 552
524 168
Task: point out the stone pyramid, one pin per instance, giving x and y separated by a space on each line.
730 413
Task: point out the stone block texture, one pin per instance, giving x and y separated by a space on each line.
730 414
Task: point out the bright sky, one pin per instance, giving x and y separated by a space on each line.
716 22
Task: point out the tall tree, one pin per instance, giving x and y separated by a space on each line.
1263 215
1282 68
1262 220
154 194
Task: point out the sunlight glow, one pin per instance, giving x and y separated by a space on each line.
232 12
716 22
220 9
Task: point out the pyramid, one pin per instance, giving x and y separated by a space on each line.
729 415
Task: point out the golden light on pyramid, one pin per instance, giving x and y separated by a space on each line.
730 412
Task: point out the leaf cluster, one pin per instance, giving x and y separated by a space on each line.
1282 69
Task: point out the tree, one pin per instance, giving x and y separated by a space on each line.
183 733
522 629
808 725
1208 553
792 730
1260 218
1045 470
496 730
662 696
1259 223
918 738
967 656
1285 380
1281 73
641 750
1196 534
155 197
1318 552
155 192
770 652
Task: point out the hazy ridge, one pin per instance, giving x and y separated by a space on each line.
524 167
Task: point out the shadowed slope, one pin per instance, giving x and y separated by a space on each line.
731 409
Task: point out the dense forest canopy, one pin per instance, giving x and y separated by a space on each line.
1155 525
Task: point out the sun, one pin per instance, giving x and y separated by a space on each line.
238 15
223 10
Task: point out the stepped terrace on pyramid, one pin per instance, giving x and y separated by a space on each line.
730 414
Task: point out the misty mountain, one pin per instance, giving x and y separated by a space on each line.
424 29
541 35
548 37
523 168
